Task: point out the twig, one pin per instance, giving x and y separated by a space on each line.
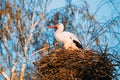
13 74
23 69
43 49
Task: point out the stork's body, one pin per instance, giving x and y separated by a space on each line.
69 40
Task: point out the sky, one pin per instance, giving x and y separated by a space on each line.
104 12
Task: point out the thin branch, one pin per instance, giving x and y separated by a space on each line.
4 75
31 33
101 31
32 29
23 69
13 74
114 7
43 49
27 44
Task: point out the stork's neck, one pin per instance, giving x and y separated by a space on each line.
60 29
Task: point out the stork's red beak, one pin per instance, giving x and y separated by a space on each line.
52 26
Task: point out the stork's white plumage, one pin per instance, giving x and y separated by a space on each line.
68 39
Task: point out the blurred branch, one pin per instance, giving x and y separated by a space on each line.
43 49
102 29
13 73
4 75
27 44
23 68
8 55
27 41
111 1
100 5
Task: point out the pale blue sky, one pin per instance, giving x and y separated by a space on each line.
103 13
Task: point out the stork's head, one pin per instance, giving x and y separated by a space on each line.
58 26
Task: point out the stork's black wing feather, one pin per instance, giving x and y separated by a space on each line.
78 44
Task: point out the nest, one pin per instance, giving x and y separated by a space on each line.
74 65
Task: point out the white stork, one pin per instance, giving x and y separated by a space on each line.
69 40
